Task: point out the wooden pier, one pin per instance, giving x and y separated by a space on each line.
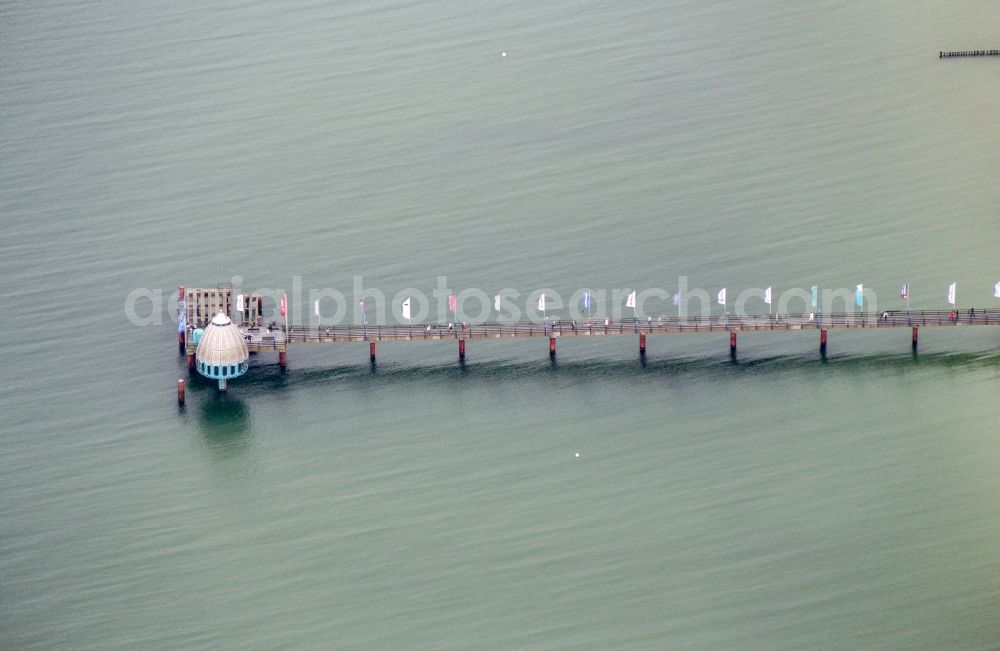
260 338
275 338
196 305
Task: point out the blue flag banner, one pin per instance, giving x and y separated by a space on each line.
815 292
586 300
859 296
677 298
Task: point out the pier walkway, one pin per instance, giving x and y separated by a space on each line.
260 339
274 337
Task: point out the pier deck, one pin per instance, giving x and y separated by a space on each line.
261 339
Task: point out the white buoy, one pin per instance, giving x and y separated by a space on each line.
503 54
577 455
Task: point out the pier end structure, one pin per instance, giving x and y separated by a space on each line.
222 351
197 306
201 304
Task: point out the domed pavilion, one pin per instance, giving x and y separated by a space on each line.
222 353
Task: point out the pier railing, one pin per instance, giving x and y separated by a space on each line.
263 338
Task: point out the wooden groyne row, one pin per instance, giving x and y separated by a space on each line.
969 53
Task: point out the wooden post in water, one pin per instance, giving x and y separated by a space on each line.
915 337
642 345
371 350
180 392
552 347
190 359
282 358
732 344
822 342
461 349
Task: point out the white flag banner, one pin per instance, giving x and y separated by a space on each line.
496 302
316 307
767 296
630 301
951 294
239 303
722 296
996 290
541 302
406 308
